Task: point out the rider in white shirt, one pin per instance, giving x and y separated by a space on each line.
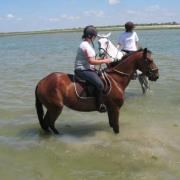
85 65
129 43
128 40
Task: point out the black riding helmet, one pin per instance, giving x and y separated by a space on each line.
129 26
89 32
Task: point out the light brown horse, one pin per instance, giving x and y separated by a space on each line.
57 90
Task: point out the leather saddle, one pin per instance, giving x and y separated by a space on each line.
84 89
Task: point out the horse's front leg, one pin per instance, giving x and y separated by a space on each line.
113 114
110 117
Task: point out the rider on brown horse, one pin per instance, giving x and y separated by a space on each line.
58 90
85 64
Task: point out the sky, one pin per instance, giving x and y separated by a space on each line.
31 15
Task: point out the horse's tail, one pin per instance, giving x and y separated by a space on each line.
39 110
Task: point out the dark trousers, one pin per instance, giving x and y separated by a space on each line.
92 77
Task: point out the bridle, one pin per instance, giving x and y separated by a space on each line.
150 71
105 50
106 53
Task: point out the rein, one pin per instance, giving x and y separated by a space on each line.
120 72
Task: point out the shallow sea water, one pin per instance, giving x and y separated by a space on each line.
148 146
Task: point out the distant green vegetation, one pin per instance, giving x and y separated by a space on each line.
169 25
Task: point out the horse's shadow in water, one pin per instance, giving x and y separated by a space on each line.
82 130
74 129
77 129
32 133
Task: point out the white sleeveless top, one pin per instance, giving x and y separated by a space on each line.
81 62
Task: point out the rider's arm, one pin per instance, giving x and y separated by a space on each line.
97 61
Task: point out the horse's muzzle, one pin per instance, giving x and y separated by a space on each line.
153 74
153 77
156 78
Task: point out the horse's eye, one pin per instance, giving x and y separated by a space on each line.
150 61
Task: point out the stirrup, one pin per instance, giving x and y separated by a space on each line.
102 108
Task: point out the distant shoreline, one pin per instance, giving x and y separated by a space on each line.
104 28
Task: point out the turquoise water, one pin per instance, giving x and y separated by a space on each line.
148 146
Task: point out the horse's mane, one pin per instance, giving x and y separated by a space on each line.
113 64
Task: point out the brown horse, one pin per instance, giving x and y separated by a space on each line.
57 90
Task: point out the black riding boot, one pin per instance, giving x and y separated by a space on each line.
100 102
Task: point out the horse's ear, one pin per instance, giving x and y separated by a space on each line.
145 52
98 35
109 34
103 35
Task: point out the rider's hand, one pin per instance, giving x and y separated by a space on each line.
109 60
105 60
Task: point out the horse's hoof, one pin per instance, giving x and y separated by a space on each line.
47 131
55 131
117 132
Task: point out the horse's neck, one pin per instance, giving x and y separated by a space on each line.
125 70
114 52
128 65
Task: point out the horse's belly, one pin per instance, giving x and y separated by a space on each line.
82 104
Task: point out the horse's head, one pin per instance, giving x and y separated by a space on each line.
103 43
147 65
107 48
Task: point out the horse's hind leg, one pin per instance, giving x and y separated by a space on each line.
52 115
45 126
